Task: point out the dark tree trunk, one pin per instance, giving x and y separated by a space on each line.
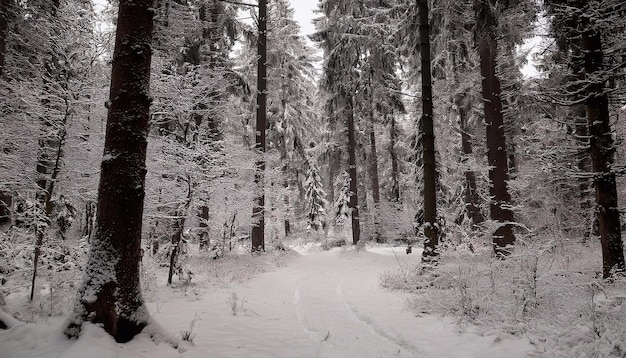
431 231
500 208
374 177
395 170
258 211
602 151
354 192
46 189
90 212
203 215
285 167
111 294
179 227
472 199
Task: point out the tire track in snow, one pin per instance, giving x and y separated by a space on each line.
326 316
376 330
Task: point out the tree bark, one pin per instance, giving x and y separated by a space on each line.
602 149
500 208
472 199
374 177
431 230
111 294
258 211
395 170
354 192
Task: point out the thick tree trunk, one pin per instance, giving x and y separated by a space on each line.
602 151
431 230
354 193
111 294
395 171
500 208
258 211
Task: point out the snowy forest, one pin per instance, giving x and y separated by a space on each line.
414 178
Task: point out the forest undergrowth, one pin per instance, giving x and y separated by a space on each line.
550 292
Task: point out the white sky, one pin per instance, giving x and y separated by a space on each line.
304 14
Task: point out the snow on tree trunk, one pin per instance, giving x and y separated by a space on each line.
354 192
110 294
431 229
602 152
395 170
258 211
500 208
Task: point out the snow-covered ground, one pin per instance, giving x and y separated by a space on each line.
312 304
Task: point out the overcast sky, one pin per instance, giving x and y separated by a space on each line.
304 14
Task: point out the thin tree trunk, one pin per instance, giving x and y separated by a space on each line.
177 238
500 208
204 227
354 193
395 171
472 199
431 230
602 151
110 294
374 178
285 167
258 211
46 186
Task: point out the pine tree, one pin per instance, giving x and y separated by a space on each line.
500 208
314 197
588 25
110 294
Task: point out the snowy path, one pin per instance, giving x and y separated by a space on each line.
329 305
326 304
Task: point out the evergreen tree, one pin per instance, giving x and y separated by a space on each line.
110 294
314 197
587 25
500 207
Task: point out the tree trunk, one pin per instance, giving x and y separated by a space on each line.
500 208
204 227
395 171
602 151
258 211
44 196
179 225
354 192
472 199
431 230
111 294
374 177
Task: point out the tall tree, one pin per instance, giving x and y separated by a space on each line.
431 229
342 52
500 206
258 210
111 294
587 26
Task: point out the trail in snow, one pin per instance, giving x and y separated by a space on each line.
326 304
